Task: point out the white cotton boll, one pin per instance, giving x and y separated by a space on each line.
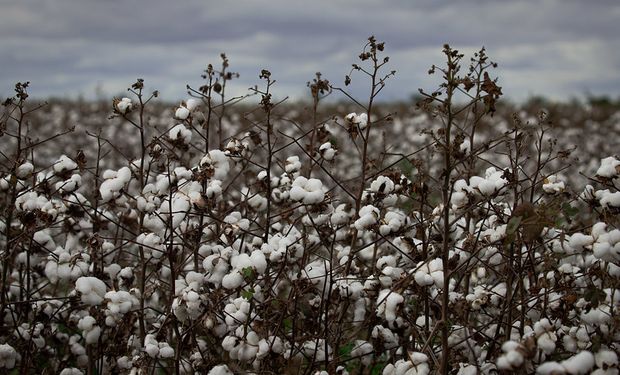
258 261
220 370
607 246
180 132
606 358
610 168
258 202
387 304
578 241
467 369
465 147
368 216
580 363
24 170
327 151
308 191
382 185
232 280
340 215
64 164
218 162
165 351
182 113
546 342
8 356
609 199
71 371
552 184
353 119
124 105
114 182
192 103
363 350
90 330
151 350
292 164
92 290
550 368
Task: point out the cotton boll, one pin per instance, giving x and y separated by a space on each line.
92 290
606 359
90 330
8 356
114 182
165 351
580 363
382 185
387 304
232 280
553 184
64 164
180 132
220 370
327 151
123 106
192 103
308 191
368 216
24 170
550 368
181 113
364 351
353 119
292 164
217 162
610 168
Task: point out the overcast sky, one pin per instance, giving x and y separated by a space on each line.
556 48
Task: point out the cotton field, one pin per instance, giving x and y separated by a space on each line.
236 235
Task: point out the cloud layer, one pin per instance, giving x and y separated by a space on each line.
556 48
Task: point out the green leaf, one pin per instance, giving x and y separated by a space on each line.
248 272
513 225
248 294
569 211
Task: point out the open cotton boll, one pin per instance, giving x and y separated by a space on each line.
607 246
606 359
217 162
64 164
292 164
387 304
90 330
182 113
608 199
220 370
353 119
192 103
553 184
368 216
364 351
308 191
124 105
430 273
180 132
580 363
327 151
610 168
24 170
92 290
382 185
114 182
550 368
8 356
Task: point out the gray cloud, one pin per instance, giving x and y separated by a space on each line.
556 48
